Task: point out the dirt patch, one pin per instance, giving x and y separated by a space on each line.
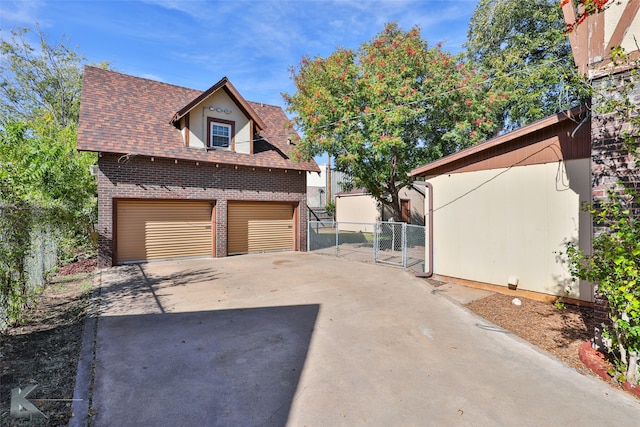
559 332
43 349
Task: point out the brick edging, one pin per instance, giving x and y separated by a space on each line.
595 361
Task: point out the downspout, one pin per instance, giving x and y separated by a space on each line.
429 273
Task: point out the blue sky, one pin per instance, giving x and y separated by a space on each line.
195 43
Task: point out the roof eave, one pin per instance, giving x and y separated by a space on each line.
225 84
307 167
499 140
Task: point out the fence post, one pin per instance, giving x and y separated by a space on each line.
404 245
337 227
376 242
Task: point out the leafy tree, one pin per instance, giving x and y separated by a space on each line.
40 91
41 166
522 46
39 81
45 185
387 107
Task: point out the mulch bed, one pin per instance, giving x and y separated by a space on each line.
559 332
78 267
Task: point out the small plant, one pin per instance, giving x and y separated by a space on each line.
86 286
559 302
330 208
615 266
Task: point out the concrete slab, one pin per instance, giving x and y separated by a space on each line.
301 339
461 294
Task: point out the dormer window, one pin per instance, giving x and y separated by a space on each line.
220 133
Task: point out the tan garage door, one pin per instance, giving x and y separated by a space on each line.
259 227
151 230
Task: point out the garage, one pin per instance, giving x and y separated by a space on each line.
153 230
260 227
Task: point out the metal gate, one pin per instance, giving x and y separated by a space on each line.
394 243
390 245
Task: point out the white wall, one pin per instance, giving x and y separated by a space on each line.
315 179
198 121
612 16
416 198
489 225
356 209
319 180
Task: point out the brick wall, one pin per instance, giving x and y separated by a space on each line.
139 177
610 163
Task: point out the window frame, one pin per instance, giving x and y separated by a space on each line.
221 122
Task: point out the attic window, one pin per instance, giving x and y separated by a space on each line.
220 133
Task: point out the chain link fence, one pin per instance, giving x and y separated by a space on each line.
23 274
394 243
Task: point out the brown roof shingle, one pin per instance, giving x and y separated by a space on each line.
132 115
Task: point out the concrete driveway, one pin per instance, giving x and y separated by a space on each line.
307 340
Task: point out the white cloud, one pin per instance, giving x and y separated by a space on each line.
14 13
194 43
198 9
151 76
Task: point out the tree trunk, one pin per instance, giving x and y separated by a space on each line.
632 368
395 207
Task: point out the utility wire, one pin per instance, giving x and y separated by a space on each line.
527 69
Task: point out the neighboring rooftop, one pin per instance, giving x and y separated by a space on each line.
563 136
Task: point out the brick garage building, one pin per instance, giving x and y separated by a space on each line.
186 173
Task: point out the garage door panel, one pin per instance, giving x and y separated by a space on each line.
151 230
259 227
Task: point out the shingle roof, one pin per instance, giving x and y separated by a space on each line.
132 115
225 85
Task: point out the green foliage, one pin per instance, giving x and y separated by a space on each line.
560 304
614 264
330 207
388 107
40 165
522 46
16 222
39 81
40 100
44 182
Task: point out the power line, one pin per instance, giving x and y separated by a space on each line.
526 69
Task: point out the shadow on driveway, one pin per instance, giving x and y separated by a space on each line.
131 289
223 343
218 368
